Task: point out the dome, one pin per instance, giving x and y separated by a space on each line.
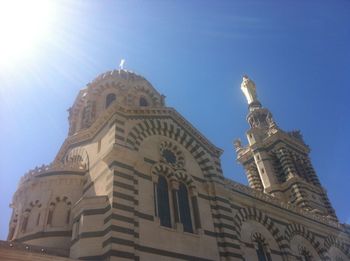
121 87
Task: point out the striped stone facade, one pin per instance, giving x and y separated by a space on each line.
98 199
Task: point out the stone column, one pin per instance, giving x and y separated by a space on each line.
254 178
266 170
196 216
174 186
286 162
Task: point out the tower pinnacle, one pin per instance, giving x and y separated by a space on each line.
277 162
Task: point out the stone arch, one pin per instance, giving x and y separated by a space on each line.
246 214
173 175
298 229
78 158
148 94
257 236
183 177
59 212
170 129
261 245
98 95
110 98
332 241
162 169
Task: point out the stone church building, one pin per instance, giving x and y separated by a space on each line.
134 180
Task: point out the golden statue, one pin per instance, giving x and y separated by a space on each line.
249 90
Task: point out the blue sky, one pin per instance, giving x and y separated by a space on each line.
195 53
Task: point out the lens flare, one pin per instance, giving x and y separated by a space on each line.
23 26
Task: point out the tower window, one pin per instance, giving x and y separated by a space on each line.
110 98
163 202
184 207
143 102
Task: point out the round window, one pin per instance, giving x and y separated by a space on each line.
169 156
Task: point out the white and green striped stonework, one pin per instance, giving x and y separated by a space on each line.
134 180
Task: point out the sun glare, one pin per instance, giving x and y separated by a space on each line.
23 26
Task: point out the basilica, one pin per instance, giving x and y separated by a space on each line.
134 180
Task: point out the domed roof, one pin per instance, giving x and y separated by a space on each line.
120 75
123 87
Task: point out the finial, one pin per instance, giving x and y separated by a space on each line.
121 65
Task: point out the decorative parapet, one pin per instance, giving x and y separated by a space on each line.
53 167
274 201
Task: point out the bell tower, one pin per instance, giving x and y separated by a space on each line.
277 162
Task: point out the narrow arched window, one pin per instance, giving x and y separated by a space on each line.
25 222
34 218
163 202
143 102
184 207
110 98
263 255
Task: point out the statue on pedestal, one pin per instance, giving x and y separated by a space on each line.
249 90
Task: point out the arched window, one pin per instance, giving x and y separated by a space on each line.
163 202
109 99
261 247
25 221
305 255
143 102
59 212
13 226
34 217
60 215
263 255
184 207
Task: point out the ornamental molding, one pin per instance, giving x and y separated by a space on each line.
234 186
172 174
133 113
179 158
